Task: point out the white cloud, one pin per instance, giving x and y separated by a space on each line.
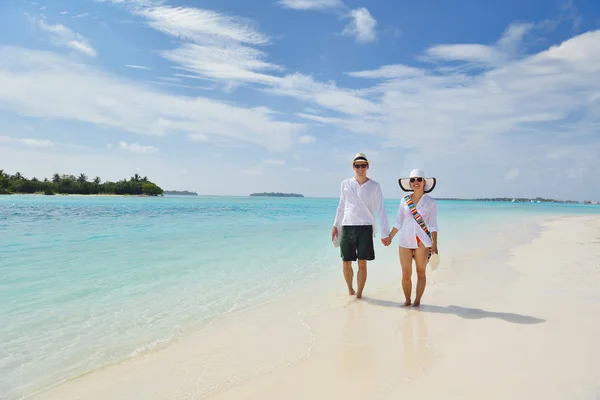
198 137
64 12
302 169
307 139
169 79
137 148
311 4
362 26
274 162
33 84
506 49
136 66
327 95
389 72
60 35
512 174
200 26
492 118
252 171
570 12
216 46
27 141
82 15
450 108
360 124
231 63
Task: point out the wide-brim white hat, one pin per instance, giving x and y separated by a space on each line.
417 173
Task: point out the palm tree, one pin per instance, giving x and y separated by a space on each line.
56 178
45 180
82 178
136 178
18 176
97 180
145 179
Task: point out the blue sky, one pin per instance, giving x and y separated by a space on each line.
496 98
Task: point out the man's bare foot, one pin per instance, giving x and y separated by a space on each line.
358 295
351 292
406 303
416 303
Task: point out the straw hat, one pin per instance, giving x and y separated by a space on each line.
417 173
360 157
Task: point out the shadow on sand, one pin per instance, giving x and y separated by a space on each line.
463 312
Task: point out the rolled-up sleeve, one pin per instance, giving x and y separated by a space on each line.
399 216
432 223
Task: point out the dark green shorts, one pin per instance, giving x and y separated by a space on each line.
357 243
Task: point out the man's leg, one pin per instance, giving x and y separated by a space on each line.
362 277
348 254
349 276
365 252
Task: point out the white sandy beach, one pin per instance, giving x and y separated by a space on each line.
523 327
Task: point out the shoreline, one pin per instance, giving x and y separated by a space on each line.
441 199
317 340
78 195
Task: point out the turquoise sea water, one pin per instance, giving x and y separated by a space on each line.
88 281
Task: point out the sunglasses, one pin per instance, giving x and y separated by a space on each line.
357 166
412 180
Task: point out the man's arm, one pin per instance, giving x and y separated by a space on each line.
339 214
383 220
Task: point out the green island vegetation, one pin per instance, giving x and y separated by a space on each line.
70 184
276 194
181 192
511 200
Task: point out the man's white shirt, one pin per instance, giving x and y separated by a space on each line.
358 203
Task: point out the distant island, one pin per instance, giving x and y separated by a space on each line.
70 184
511 199
276 194
181 192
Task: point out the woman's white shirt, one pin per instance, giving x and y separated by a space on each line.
409 229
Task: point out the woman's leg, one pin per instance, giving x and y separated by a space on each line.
421 261
406 257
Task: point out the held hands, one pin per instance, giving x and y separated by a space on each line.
386 241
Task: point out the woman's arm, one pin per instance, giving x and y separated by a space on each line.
399 220
433 226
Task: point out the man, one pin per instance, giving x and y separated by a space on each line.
360 197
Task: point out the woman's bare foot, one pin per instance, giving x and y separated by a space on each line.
406 303
351 292
358 295
417 303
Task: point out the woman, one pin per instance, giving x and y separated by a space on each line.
417 223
